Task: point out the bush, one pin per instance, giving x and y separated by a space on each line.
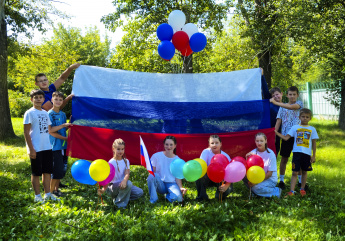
19 103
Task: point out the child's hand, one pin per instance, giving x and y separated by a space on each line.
312 159
183 190
123 184
272 100
32 153
74 66
67 125
249 154
69 97
100 192
224 187
250 184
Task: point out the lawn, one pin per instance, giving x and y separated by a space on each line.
318 216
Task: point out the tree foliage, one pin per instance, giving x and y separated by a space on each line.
67 46
17 16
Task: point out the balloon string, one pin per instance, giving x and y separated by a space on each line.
99 196
250 192
221 194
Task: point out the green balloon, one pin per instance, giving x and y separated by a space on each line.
192 171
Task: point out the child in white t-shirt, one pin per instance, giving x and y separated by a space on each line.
37 126
304 144
266 188
215 145
121 188
163 181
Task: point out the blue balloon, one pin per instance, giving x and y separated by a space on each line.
165 32
80 172
176 168
166 50
197 42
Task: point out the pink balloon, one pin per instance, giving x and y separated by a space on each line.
110 177
234 172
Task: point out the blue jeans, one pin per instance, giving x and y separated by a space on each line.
265 188
120 196
171 189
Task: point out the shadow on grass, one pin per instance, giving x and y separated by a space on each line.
15 142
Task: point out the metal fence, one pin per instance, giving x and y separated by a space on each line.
314 99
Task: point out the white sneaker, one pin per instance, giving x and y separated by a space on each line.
38 199
51 197
54 198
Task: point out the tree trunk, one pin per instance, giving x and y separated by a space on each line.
187 64
342 106
265 64
6 129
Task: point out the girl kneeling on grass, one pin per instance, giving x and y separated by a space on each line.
120 188
215 146
266 188
164 182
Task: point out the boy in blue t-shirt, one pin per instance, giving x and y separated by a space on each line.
304 149
58 141
42 82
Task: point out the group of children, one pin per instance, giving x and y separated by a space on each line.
45 135
291 122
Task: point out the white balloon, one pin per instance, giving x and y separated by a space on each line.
177 19
190 29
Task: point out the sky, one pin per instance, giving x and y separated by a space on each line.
84 14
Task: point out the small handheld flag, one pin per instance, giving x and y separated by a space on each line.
144 157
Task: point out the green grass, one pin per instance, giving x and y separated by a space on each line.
318 216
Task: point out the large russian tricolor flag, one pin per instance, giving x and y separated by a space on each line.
110 104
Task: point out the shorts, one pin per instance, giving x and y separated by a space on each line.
43 163
58 165
301 161
286 147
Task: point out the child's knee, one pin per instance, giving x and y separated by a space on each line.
174 197
140 192
294 174
177 198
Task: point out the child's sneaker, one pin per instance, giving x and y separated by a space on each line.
291 193
302 192
38 199
51 197
306 187
58 193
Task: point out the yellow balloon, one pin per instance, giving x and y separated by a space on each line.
203 166
256 174
99 170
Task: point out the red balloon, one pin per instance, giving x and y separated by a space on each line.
180 40
240 159
221 159
255 160
187 51
215 172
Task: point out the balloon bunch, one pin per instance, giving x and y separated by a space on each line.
89 173
178 35
255 169
220 169
191 170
